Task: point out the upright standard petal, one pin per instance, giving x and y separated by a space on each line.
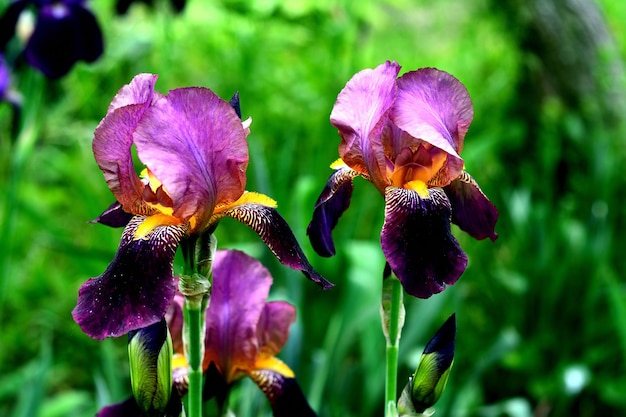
332 202
211 155
113 139
275 232
417 241
361 113
435 107
273 327
136 288
471 209
240 288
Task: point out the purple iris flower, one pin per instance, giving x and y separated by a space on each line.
244 333
405 135
193 145
65 32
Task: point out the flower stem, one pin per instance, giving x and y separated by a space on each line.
195 343
392 313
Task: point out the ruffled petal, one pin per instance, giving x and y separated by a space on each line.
275 232
284 394
136 288
241 285
471 209
361 113
211 153
273 327
435 107
113 139
334 200
417 241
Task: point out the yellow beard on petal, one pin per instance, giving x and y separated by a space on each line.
152 222
274 364
419 186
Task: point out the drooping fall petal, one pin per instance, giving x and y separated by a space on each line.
471 209
417 241
332 202
275 232
361 113
211 154
136 288
284 394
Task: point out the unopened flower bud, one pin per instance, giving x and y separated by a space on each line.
150 356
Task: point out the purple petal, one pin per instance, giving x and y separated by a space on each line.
113 140
471 209
435 107
174 318
113 216
136 288
417 241
127 408
334 200
361 113
195 144
64 34
241 285
277 235
273 327
284 394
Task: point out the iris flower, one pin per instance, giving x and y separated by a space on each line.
404 135
244 332
193 145
65 32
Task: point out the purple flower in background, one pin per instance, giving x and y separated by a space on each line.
64 32
122 6
405 135
244 332
193 145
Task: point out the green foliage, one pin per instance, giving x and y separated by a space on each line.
541 313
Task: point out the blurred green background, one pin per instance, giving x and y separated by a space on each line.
541 313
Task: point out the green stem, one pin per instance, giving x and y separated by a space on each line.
393 320
195 343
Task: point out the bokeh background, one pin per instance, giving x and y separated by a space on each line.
541 312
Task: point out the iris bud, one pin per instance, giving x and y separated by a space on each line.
150 356
429 380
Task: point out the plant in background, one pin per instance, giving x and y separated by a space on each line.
405 135
63 32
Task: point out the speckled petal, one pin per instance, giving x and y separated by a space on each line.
284 394
113 140
471 209
334 200
361 113
435 107
136 288
417 241
275 232
195 144
241 285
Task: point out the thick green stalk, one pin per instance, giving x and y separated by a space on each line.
392 319
195 343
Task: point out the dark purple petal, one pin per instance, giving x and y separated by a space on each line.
136 288
63 35
284 394
8 21
273 326
113 140
334 200
277 235
471 209
361 113
127 408
417 241
113 216
241 285
195 144
174 318
435 107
